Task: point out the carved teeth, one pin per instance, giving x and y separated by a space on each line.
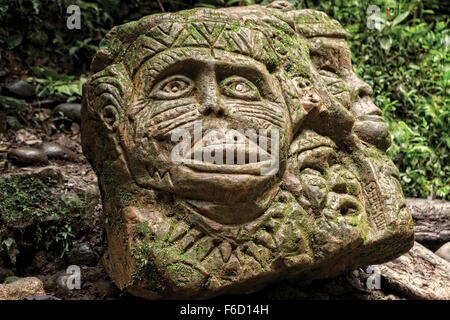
240 151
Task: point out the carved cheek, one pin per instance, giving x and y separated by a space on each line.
158 119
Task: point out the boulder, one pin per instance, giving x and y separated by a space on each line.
444 252
70 110
27 156
21 289
20 89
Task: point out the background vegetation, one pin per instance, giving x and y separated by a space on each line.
406 62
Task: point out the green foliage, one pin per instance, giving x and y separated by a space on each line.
35 212
52 83
15 106
36 29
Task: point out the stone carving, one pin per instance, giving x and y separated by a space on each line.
197 229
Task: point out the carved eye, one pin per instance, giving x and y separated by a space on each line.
240 88
173 87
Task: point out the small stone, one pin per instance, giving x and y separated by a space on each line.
444 252
46 103
27 156
19 88
21 289
83 255
13 122
70 110
104 289
55 151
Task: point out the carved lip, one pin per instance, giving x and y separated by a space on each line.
215 153
250 168
311 143
374 118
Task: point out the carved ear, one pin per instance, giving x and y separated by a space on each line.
109 117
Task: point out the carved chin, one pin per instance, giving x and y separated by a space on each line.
373 132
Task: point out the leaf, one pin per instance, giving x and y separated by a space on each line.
230 2
14 41
400 18
206 5
11 248
386 43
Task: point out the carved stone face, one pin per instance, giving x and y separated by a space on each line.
216 92
198 228
332 57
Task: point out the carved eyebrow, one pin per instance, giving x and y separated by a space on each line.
169 62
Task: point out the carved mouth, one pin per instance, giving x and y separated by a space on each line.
311 141
251 168
215 153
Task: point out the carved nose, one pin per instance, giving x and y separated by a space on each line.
216 108
209 93
211 102
362 89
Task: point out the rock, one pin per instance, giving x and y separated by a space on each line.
40 260
55 151
418 274
70 110
20 89
431 221
104 289
82 255
223 223
21 289
27 156
46 103
13 122
444 252
35 207
5 273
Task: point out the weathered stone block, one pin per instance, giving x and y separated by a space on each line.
280 171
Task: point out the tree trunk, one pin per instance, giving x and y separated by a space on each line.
431 221
418 274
